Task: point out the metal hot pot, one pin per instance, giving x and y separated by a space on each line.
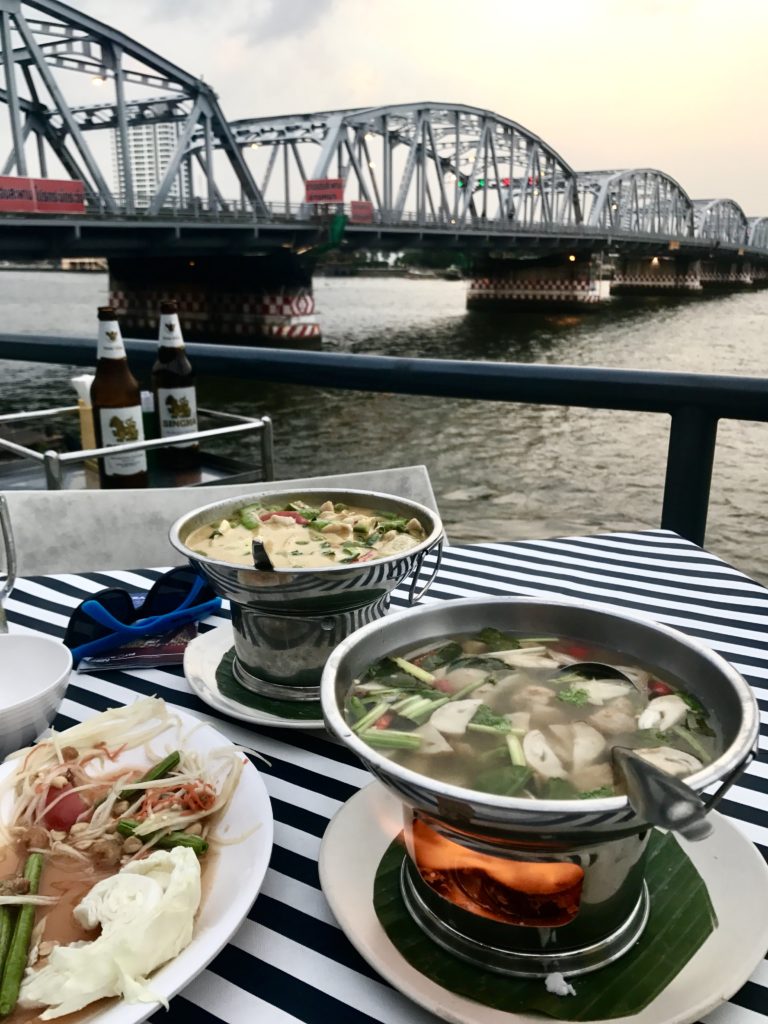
522 886
287 621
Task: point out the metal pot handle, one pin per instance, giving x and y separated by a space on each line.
713 800
413 597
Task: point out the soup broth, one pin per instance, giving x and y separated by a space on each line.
521 716
301 536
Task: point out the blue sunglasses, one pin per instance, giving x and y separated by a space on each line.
113 617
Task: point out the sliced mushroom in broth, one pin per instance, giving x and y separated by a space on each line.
506 714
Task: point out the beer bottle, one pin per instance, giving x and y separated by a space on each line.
173 382
116 408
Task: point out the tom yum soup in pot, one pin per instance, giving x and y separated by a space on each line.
300 536
507 714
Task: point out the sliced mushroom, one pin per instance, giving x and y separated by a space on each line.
342 530
674 762
663 712
541 757
529 696
432 740
592 776
528 657
327 506
611 721
461 677
561 740
600 691
453 718
588 745
519 720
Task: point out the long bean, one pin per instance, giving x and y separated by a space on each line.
158 771
127 827
18 951
7 917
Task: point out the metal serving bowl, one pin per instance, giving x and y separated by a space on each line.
484 820
287 621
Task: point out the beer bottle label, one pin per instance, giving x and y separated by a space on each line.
169 334
119 426
110 344
177 412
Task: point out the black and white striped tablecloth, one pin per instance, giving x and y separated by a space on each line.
290 962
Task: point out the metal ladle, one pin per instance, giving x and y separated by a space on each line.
662 799
595 670
261 559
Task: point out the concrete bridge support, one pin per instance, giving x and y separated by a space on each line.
226 298
559 283
726 274
656 275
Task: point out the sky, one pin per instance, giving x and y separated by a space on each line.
679 85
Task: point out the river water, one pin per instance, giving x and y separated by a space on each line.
499 471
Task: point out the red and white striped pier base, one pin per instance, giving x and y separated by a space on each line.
655 276
231 301
543 288
719 274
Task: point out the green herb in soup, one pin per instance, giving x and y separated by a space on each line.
507 714
299 536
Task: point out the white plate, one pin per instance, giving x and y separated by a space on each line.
734 872
236 875
202 658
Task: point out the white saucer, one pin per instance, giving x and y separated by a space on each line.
202 658
735 874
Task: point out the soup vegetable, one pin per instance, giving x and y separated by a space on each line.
102 859
300 536
508 715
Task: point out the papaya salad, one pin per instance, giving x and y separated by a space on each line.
104 834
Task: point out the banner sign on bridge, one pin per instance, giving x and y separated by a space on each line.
361 212
41 195
324 190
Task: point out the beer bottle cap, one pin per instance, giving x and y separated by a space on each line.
168 307
107 313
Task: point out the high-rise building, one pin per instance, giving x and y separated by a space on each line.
151 147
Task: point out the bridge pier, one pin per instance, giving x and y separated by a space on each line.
553 283
726 274
227 298
657 275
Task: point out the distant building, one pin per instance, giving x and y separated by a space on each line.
151 147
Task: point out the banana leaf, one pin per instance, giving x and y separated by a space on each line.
681 919
299 710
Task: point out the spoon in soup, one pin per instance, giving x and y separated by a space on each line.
595 670
660 798
261 559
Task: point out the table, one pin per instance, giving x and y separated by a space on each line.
289 961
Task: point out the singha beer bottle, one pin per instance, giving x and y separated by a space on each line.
116 407
173 382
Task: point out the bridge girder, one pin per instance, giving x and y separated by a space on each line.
437 163
36 50
720 220
758 232
641 200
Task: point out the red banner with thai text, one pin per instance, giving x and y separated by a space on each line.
361 211
324 190
41 195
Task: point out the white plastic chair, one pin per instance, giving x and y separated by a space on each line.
82 531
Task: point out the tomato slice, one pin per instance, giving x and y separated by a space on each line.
287 514
66 811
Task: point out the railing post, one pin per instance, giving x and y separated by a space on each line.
267 449
691 454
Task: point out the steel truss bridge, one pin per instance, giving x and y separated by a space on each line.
433 173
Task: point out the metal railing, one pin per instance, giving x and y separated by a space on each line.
695 402
55 463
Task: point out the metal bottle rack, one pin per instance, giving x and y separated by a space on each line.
62 470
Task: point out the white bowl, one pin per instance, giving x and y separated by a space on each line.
34 671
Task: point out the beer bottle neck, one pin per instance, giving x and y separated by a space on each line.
110 344
169 334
